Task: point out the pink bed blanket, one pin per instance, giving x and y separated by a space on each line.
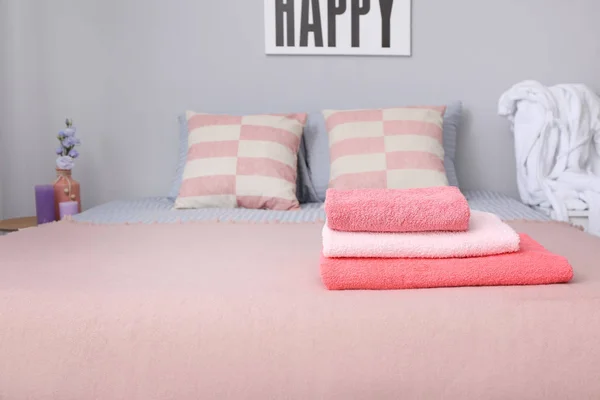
239 311
395 210
487 235
532 265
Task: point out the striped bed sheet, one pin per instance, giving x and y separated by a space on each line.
160 210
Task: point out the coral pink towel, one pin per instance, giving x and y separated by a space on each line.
487 235
532 265
394 210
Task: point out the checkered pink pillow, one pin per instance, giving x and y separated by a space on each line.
394 148
247 162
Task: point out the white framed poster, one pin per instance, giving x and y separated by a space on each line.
338 27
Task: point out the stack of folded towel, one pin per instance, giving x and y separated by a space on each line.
426 238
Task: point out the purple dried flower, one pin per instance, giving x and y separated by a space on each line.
69 141
66 152
65 162
69 132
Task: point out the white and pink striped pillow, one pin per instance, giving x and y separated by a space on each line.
394 148
247 162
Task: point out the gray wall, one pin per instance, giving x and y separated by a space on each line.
123 69
4 89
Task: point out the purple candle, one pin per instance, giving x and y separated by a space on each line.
44 204
68 208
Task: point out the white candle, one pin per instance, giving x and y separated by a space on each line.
68 208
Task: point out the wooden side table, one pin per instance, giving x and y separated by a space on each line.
16 224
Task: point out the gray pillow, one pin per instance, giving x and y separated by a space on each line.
316 143
181 158
304 187
452 123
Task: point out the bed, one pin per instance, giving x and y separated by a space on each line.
109 310
160 210
133 300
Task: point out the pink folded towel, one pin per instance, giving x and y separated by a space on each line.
395 210
532 265
487 235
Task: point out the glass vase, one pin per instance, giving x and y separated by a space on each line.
66 189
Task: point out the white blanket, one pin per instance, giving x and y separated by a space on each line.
557 138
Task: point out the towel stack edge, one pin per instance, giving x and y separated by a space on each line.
383 239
